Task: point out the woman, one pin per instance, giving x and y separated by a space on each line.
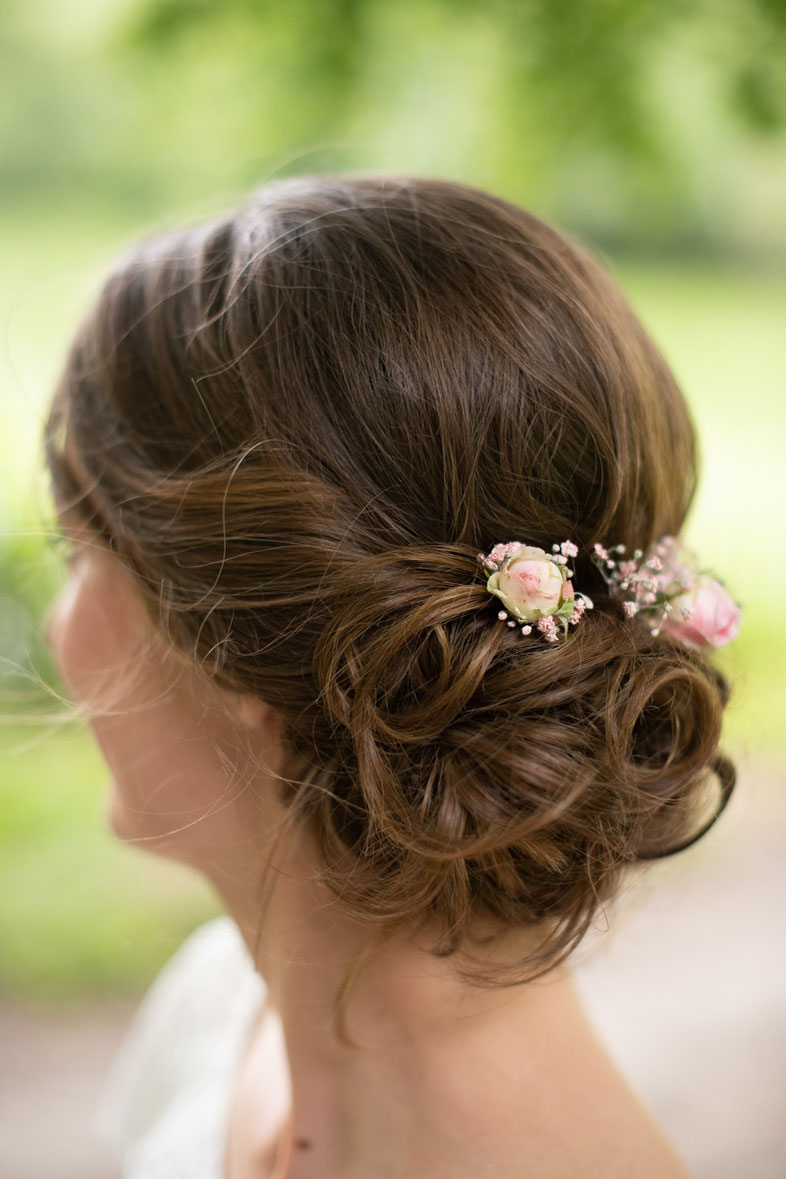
379 614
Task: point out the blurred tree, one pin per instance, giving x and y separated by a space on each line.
639 123
587 107
591 55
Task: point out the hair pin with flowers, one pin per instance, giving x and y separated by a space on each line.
666 587
535 586
663 585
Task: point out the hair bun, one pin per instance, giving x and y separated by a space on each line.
482 773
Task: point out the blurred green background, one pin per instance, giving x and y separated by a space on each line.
653 131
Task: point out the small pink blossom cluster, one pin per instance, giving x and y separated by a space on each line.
567 549
579 606
495 557
548 628
664 585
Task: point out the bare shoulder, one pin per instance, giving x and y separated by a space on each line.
572 1116
619 1144
621 1151
600 1141
590 1123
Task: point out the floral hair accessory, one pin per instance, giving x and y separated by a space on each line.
665 586
535 586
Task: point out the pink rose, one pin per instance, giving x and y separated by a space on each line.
714 617
530 584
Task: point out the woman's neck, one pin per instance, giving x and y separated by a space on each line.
443 1079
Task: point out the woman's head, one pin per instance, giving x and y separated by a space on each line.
296 426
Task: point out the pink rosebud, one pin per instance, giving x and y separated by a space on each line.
529 583
713 620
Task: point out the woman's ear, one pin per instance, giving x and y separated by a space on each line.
252 712
256 723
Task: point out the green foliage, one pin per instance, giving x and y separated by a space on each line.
637 122
28 582
591 58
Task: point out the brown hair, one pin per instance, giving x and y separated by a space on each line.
303 421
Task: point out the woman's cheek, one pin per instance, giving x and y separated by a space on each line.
100 643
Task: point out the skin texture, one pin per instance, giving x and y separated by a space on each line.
448 1081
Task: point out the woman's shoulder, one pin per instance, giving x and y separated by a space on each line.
183 1036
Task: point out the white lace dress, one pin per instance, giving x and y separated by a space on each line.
165 1102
